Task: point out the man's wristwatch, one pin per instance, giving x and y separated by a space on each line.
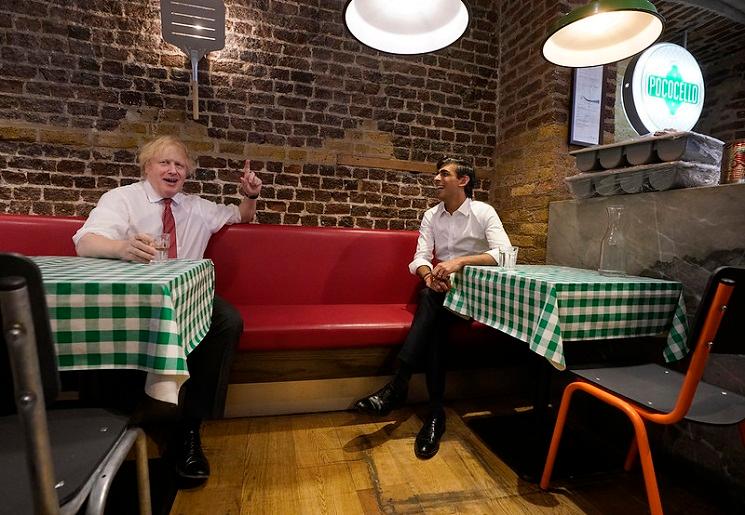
253 197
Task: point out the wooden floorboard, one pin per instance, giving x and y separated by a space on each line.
346 463
353 464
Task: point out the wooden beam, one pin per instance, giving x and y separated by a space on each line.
386 164
395 164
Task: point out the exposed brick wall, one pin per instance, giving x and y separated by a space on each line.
724 105
531 158
338 132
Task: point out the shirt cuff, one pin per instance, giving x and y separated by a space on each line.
494 253
414 265
92 230
235 217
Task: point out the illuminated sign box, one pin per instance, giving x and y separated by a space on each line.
663 88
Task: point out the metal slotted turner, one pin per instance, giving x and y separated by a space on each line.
196 27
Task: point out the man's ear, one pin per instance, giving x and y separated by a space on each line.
463 180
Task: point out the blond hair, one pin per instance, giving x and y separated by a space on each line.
151 148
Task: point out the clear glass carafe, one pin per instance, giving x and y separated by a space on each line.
613 246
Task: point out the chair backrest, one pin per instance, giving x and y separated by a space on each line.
721 305
14 265
727 334
730 337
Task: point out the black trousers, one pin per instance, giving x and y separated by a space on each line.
425 344
203 394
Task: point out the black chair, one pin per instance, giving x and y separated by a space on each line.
51 461
653 393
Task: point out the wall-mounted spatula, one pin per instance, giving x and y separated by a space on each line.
196 27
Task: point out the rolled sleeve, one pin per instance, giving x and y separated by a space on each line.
425 245
494 253
107 219
496 236
218 215
414 265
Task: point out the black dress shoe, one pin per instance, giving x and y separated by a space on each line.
427 441
383 401
191 463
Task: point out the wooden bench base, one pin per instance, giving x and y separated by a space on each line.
318 395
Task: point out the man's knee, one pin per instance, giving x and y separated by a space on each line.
430 295
226 316
431 298
233 319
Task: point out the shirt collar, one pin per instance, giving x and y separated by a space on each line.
153 196
464 209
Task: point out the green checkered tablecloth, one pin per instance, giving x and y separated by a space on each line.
546 305
114 314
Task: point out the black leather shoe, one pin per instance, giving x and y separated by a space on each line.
191 463
427 441
383 401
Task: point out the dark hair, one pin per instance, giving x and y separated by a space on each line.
462 167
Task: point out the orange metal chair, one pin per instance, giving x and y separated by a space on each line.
657 394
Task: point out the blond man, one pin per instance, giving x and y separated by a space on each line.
122 226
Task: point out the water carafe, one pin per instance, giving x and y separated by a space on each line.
613 247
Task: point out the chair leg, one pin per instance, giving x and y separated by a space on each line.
640 432
548 468
117 455
645 456
631 455
143 474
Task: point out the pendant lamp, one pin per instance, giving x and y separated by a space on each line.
406 27
603 31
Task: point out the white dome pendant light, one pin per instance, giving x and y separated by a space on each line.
406 27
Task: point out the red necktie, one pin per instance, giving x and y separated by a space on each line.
169 226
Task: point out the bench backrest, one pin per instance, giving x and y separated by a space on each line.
287 264
268 264
38 235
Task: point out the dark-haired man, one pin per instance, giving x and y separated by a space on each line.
458 231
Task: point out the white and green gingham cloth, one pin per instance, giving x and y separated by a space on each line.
107 313
545 305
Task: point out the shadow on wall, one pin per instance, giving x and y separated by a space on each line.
693 273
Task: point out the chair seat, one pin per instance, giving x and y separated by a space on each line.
79 446
657 388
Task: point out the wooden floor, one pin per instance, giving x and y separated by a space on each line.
347 463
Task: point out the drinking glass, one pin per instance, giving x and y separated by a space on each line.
508 257
161 243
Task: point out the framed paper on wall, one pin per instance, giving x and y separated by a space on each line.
586 121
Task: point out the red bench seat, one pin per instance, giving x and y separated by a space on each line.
324 326
297 288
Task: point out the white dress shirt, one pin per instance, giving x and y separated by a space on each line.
474 228
136 208
128 210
